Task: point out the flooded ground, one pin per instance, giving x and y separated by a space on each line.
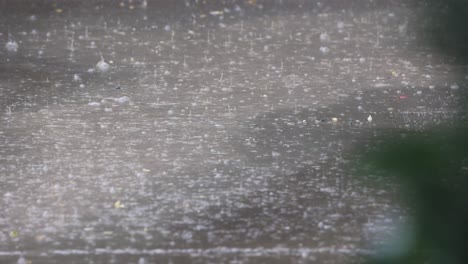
206 131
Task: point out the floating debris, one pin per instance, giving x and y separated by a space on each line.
14 234
380 85
216 13
118 205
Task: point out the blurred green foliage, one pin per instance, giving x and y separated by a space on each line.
432 169
431 166
447 26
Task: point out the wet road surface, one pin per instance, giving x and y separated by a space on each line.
211 132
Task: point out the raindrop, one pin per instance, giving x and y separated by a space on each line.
122 100
12 46
340 25
76 78
324 37
324 50
21 260
102 66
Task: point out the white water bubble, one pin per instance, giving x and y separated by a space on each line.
102 65
12 46
76 78
122 100
21 260
324 50
324 37
340 25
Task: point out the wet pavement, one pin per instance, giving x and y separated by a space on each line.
206 131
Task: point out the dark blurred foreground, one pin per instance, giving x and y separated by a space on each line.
431 165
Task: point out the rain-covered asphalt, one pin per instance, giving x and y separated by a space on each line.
206 131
